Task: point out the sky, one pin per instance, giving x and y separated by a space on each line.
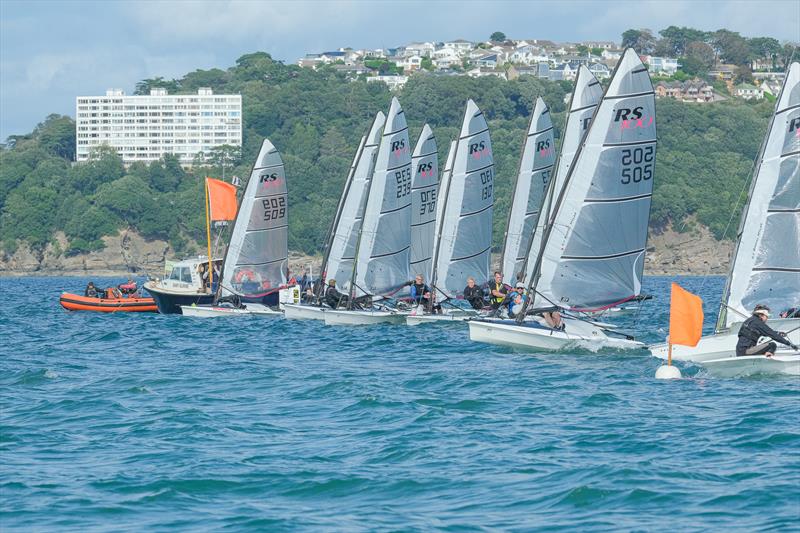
53 51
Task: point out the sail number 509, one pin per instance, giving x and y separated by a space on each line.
637 164
274 208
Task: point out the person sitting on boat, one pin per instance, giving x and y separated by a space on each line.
473 294
129 287
516 300
553 318
421 294
753 329
333 297
497 291
91 290
792 312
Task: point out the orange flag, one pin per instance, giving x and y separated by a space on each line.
222 199
685 317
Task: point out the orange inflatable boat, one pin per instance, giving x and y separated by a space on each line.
75 302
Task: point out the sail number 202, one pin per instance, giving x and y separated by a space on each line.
487 178
403 178
637 164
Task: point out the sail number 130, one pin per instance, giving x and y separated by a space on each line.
637 164
487 179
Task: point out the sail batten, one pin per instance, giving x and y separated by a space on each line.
764 269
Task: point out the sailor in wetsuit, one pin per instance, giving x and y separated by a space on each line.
753 329
473 294
333 297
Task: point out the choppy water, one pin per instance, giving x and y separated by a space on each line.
148 422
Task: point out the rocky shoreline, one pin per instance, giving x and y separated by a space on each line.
669 253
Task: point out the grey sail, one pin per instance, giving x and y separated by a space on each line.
424 189
535 167
447 173
766 263
464 240
256 261
594 246
586 96
342 247
383 251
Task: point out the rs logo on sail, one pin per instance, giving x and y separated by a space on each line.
425 169
632 118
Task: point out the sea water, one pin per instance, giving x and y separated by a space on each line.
131 422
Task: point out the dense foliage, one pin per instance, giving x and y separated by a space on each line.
316 119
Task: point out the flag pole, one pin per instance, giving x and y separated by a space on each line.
208 237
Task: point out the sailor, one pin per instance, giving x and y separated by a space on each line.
753 329
333 297
516 300
91 290
792 312
497 290
420 293
129 287
473 294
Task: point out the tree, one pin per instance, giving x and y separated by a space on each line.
765 47
498 36
583 50
679 38
699 58
427 64
732 47
57 136
640 40
144 86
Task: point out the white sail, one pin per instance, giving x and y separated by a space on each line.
424 189
594 246
342 248
464 241
766 264
444 183
586 96
256 262
383 251
535 167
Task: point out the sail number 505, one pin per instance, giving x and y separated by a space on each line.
637 164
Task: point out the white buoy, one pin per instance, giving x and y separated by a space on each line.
668 372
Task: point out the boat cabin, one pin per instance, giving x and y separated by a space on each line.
187 275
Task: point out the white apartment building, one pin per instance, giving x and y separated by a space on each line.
144 128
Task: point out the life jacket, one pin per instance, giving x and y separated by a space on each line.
245 274
748 332
420 289
498 287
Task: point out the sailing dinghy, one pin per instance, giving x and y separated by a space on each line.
256 262
340 246
464 227
766 262
382 255
424 189
593 245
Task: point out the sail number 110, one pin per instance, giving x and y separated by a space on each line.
637 164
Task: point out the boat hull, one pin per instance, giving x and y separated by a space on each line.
335 317
446 318
169 302
532 335
303 312
208 311
751 365
76 302
722 344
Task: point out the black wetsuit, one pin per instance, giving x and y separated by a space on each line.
333 297
751 331
474 295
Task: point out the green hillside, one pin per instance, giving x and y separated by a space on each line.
315 118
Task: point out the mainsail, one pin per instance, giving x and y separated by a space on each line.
383 251
338 264
766 263
424 188
535 167
256 262
594 245
585 97
444 183
464 239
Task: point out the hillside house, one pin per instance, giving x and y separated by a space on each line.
748 92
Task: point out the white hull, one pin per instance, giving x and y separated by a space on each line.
260 309
361 318
211 311
534 335
304 312
721 345
449 318
749 365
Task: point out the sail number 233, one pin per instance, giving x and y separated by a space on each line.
637 164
